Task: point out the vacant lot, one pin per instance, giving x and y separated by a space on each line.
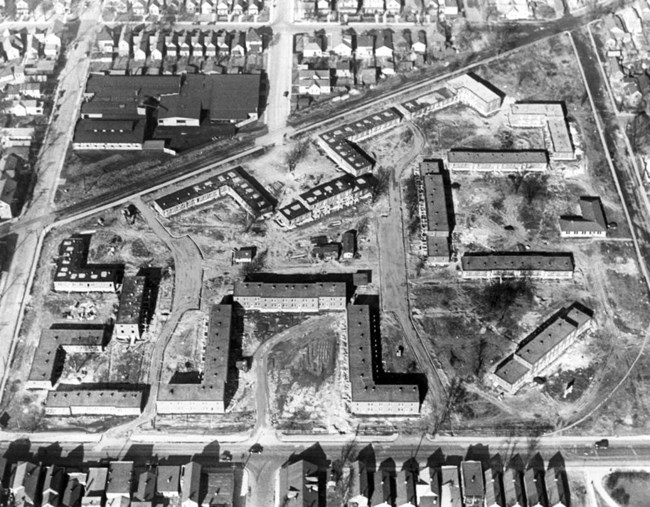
302 376
185 349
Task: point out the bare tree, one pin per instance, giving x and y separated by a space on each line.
381 182
296 154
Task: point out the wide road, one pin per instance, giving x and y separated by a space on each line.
279 69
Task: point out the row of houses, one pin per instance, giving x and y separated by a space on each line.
542 347
31 45
157 45
120 483
337 61
305 482
219 8
384 43
353 8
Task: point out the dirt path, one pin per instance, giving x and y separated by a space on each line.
393 269
260 366
188 280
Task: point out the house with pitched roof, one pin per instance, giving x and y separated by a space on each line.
314 82
190 481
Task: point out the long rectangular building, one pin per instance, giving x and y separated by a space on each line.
130 313
325 199
367 396
542 347
550 265
110 402
435 101
435 226
235 183
209 396
497 160
291 297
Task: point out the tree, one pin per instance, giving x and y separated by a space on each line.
534 186
255 266
506 139
296 154
500 295
381 183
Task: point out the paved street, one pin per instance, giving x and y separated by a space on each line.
578 454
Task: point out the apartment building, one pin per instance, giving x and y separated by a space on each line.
476 93
497 160
208 396
112 402
236 183
339 143
435 101
74 274
541 265
434 207
325 199
552 118
131 312
54 344
291 297
542 347
370 396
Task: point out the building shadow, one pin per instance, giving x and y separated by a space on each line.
379 375
479 452
153 276
437 459
19 449
368 458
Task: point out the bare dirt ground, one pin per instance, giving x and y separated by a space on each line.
184 350
468 335
113 241
306 394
